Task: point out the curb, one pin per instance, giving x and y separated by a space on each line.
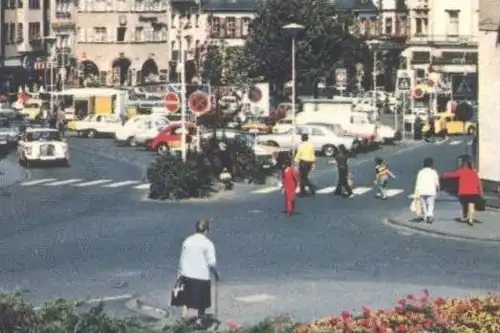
440 234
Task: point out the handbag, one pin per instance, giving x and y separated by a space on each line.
480 204
177 297
415 206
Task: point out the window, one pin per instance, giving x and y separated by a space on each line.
453 22
20 3
421 23
34 30
173 21
317 132
215 28
101 34
388 26
12 4
19 33
196 21
34 4
245 25
120 34
231 27
12 33
139 34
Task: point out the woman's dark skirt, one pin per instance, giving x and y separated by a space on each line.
194 294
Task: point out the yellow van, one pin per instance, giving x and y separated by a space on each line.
452 126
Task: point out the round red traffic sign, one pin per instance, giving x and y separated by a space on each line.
3 98
172 102
198 102
254 94
340 76
417 93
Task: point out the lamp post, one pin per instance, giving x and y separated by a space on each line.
181 69
50 42
293 29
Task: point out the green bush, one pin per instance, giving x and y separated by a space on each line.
172 178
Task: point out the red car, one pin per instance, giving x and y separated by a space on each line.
170 137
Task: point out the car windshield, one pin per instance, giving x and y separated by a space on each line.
43 136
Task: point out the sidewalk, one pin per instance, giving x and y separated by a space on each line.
447 224
11 173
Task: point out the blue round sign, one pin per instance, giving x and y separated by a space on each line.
29 63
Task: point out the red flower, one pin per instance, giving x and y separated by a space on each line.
428 324
233 326
366 311
346 314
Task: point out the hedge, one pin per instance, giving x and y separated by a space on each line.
413 314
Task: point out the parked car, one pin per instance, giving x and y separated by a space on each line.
362 144
141 129
170 137
96 125
324 139
283 125
9 134
44 145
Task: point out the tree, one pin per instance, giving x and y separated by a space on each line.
323 43
220 65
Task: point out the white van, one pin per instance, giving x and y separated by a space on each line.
139 125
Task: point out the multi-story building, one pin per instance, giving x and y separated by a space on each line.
443 36
23 50
122 42
62 24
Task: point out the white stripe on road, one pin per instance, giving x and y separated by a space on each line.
393 192
361 190
94 182
265 190
143 186
120 184
469 143
38 181
455 142
442 141
64 182
326 190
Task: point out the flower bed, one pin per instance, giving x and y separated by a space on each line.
417 314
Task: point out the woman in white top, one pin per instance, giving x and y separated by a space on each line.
197 261
426 189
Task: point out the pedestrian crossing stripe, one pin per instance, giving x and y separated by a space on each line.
77 182
357 191
454 143
393 192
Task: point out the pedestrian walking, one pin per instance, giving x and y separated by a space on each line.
306 159
61 120
431 132
426 189
470 190
197 262
342 173
289 181
382 176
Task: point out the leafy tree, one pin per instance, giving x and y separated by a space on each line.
319 48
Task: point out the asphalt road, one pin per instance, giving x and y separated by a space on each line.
336 254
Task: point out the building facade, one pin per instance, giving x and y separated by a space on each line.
62 25
443 36
489 99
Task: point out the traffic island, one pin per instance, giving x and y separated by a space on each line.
447 223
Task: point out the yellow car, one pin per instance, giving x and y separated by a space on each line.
453 127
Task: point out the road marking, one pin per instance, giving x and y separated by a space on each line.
64 182
38 181
411 196
326 190
361 190
257 298
145 186
442 141
120 184
393 192
265 190
454 142
94 182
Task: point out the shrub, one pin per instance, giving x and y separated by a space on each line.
175 179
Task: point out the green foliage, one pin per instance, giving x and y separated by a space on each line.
175 179
220 66
319 47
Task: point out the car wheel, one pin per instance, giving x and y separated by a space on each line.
92 134
272 144
132 142
471 130
329 150
162 149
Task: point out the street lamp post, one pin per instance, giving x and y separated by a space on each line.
50 40
293 29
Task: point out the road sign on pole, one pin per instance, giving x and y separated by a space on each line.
199 102
340 76
404 84
464 86
172 102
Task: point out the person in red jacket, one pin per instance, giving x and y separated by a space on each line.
469 188
290 181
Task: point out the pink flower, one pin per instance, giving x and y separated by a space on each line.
346 314
233 326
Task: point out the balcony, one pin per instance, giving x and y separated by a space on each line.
62 24
443 40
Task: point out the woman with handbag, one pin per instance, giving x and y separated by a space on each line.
469 189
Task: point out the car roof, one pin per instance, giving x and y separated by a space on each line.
41 129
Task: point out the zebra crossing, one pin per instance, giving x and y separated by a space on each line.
450 142
82 183
357 191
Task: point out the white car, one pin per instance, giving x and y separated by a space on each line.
97 125
283 125
42 145
138 125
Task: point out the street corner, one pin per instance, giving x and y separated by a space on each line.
11 173
448 225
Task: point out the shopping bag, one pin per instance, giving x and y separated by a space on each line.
480 204
415 206
177 297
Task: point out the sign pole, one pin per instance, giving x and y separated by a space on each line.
183 92
403 111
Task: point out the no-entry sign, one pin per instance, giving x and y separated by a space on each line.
198 102
172 102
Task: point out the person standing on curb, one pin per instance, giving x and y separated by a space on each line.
469 188
427 188
197 262
305 158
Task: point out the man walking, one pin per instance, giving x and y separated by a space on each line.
426 189
290 180
197 261
305 158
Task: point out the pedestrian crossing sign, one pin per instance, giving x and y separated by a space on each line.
464 88
404 84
